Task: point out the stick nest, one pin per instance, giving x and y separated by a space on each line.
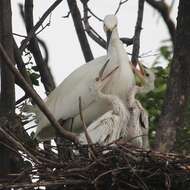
111 167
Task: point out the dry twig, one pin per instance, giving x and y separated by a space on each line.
36 98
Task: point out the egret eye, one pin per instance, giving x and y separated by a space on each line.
97 79
147 75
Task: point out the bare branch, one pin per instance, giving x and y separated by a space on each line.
66 134
39 23
45 73
93 34
119 5
67 15
164 10
90 31
138 27
88 138
21 99
95 16
75 12
18 145
127 41
20 63
19 35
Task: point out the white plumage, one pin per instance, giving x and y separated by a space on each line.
131 124
63 101
111 125
138 126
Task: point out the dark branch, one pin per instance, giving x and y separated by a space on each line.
39 23
119 6
20 63
75 12
164 10
127 41
138 27
30 92
16 143
90 31
45 73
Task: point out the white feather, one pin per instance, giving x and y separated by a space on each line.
63 101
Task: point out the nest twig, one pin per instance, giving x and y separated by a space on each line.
116 167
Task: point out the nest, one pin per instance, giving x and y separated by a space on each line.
119 166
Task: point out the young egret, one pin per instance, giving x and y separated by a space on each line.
129 125
63 101
112 124
138 125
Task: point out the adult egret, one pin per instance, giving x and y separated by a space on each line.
63 101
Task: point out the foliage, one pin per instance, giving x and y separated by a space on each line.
153 101
32 69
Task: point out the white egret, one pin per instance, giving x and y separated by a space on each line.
111 125
63 101
138 125
131 124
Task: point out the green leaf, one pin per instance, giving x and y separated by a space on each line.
34 78
35 68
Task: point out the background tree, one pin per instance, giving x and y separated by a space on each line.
176 104
169 119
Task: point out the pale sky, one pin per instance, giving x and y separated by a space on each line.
64 49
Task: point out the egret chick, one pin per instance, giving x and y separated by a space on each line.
138 125
111 125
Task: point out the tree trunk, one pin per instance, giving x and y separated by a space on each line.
178 91
7 101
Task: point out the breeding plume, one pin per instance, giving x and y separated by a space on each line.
63 101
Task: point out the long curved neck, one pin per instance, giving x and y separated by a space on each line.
116 48
118 106
115 44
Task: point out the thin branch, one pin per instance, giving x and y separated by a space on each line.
94 15
127 41
18 145
20 64
52 183
43 28
21 99
90 31
39 23
164 11
138 28
19 35
88 138
68 135
67 15
119 5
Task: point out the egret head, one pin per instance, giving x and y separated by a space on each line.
110 23
149 80
146 77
